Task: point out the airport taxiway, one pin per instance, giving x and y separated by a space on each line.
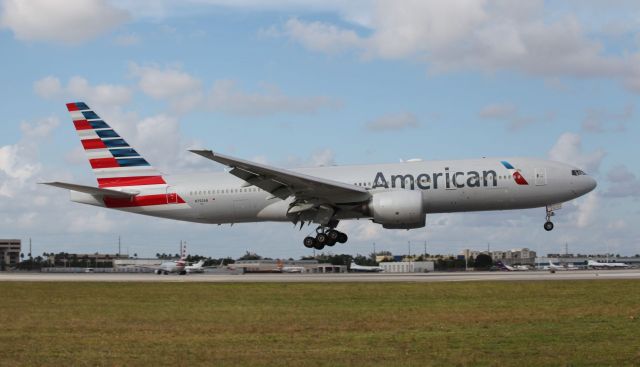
323 278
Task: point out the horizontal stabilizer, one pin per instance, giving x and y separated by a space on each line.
92 190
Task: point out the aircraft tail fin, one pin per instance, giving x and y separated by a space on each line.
114 162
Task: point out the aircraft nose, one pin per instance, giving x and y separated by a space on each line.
590 184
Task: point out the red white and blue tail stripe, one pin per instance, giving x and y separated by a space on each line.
118 166
114 162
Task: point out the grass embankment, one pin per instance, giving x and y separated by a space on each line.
501 323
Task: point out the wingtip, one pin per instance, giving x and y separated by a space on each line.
201 151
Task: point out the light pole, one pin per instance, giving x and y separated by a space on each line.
374 252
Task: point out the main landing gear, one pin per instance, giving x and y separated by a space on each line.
325 237
548 225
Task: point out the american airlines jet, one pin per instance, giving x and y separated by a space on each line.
396 196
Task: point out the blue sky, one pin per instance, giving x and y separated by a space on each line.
300 83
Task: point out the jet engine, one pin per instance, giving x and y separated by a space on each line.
401 209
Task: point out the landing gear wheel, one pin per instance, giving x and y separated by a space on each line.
309 242
331 242
342 237
322 238
548 226
333 235
318 246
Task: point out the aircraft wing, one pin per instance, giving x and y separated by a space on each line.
92 190
284 183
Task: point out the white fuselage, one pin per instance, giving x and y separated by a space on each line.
445 186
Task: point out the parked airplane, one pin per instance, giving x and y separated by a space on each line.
169 267
560 267
365 269
502 266
598 265
293 269
396 196
195 268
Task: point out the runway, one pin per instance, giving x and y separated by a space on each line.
325 278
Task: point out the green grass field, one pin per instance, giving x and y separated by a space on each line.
494 323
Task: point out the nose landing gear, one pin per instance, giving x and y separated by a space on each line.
548 225
325 237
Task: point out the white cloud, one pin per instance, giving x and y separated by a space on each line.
48 87
323 37
71 22
587 211
488 36
498 111
96 222
13 168
130 39
568 149
184 92
510 114
623 183
79 88
393 122
171 84
19 162
600 120
40 129
324 157
227 97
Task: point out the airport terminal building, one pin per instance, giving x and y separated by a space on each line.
9 253
408 266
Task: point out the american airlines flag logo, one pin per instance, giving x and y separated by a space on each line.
515 173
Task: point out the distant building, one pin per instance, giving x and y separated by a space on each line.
468 254
9 253
381 258
408 266
124 263
273 266
97 260
521 256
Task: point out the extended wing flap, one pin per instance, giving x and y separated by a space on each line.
92 190
283 183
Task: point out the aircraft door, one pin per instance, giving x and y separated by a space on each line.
541 176
172 196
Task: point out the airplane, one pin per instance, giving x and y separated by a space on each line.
168 267
195 268
396 196
289 268
522 267
613 265
502 266
365 269
560 267
293 269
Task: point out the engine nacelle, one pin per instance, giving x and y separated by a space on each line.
401 209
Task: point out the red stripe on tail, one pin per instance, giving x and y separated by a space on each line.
89 144
103 163
82 125
72 107
138 201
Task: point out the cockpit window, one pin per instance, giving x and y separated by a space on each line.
577 172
